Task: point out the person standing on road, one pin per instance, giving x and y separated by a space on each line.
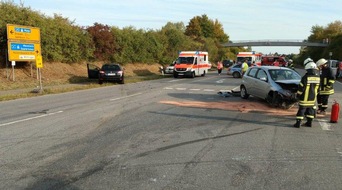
244 67
290 64
219 67
339 73
307 93
327 85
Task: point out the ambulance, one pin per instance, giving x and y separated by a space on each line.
191 63
252 57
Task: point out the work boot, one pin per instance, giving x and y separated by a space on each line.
321 112
297 124
308 123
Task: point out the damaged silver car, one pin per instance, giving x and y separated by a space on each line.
277 85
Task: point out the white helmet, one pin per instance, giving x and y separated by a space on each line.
321 62
290 60
308 60
310 65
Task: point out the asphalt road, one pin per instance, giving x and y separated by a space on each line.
164 134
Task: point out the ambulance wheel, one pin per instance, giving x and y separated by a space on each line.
203 74
175 75
193 75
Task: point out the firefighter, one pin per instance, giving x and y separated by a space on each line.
307 93
326 87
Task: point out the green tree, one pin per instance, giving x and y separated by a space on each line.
329 34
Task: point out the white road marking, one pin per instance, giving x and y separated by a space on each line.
324 124
220 81
209 90
30 118
168 88
175 80
180 88
195 89
114 99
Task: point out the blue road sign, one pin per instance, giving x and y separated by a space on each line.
22 47
23 30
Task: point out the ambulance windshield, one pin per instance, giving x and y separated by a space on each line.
187 60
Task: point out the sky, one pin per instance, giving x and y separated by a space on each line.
242 20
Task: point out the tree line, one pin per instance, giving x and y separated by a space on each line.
64 41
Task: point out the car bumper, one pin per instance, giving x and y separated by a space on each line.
168 71
184 73
111 78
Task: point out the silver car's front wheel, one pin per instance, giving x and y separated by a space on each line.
243 92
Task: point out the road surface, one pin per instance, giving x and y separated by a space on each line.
164 134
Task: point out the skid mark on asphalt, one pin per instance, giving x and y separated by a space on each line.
191 142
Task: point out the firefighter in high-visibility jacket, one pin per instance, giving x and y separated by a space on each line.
327 85
307 93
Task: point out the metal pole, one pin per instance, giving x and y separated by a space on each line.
40 80
13 72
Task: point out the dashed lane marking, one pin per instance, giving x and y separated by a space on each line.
114 99
30 118
180 88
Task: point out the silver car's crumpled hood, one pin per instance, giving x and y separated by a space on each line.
291 85
288 81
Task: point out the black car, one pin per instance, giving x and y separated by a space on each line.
112 72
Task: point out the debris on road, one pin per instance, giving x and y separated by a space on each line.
228 93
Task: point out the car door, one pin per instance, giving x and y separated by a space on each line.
249 80
93 71
261 87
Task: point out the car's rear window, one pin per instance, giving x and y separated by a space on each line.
111 67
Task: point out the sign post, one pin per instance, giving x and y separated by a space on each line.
39 65
13 74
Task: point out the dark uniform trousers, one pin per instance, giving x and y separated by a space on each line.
308 112
322 102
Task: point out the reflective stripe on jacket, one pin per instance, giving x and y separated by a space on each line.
307 89
327 82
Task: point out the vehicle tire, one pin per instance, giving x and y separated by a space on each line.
122 81
175 75
100 82
193 75
236 75
243 92
203 74
274 99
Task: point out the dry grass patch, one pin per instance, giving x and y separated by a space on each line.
62 77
